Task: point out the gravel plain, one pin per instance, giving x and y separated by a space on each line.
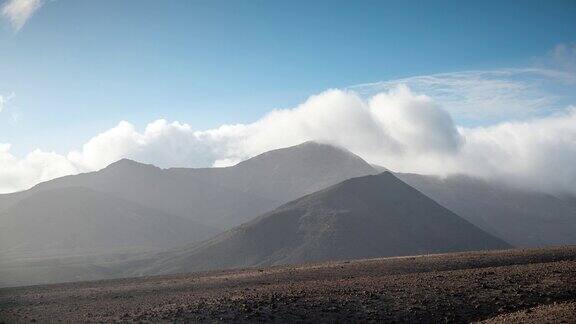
521 285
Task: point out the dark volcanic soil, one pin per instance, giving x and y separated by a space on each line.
517 285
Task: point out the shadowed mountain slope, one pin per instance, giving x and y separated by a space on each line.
523 218
370 216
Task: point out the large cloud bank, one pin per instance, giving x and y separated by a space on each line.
397 128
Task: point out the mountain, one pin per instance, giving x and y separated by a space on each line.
521 217
364 217
76 220
285 174
218 197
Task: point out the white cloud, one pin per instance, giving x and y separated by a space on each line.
538 154
397 128
35 167
415 122
17 12
161 143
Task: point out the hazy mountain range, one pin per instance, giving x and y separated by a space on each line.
521 217
296 205
76 220
221 197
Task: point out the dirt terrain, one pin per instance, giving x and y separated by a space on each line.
515 285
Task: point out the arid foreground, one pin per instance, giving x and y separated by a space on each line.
522 285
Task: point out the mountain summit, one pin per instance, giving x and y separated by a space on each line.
288 173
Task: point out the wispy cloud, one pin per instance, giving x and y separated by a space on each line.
17 12
564 57
4 99
485 97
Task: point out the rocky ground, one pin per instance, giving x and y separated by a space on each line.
537 285
550 313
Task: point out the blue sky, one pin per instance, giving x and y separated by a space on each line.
78 66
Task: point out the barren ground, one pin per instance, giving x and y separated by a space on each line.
515 285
